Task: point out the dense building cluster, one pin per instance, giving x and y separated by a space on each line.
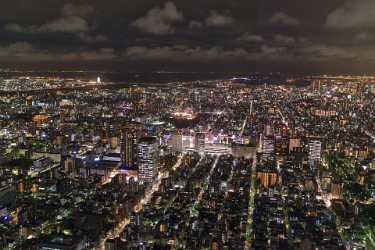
191 165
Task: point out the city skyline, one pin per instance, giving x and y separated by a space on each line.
255 162
187 125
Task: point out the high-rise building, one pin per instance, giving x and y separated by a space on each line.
147 154
127 147
315 150
130 134
251 107
268 148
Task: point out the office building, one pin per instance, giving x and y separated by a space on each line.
315 149
147 153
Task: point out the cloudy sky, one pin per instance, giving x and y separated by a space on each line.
237 35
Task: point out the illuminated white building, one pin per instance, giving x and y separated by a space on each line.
315 150
147 157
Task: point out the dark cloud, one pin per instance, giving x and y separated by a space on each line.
69 24
195 24
363 36
216 19
353 14
26 52
251 38
92 38
13 27
77 10
72 20
321 52
282 18
285 40
160 21
185 54
262 34
16 50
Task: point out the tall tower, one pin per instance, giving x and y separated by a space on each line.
315 149
130 133
251 106
127 147
268 148
147 157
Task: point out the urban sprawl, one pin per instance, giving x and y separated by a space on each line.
218 164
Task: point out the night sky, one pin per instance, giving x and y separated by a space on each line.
207 35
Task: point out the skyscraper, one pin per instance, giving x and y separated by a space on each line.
147 157
127 147
130 134
315 149
267 148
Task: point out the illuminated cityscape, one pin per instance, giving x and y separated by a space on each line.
243 166
187 125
